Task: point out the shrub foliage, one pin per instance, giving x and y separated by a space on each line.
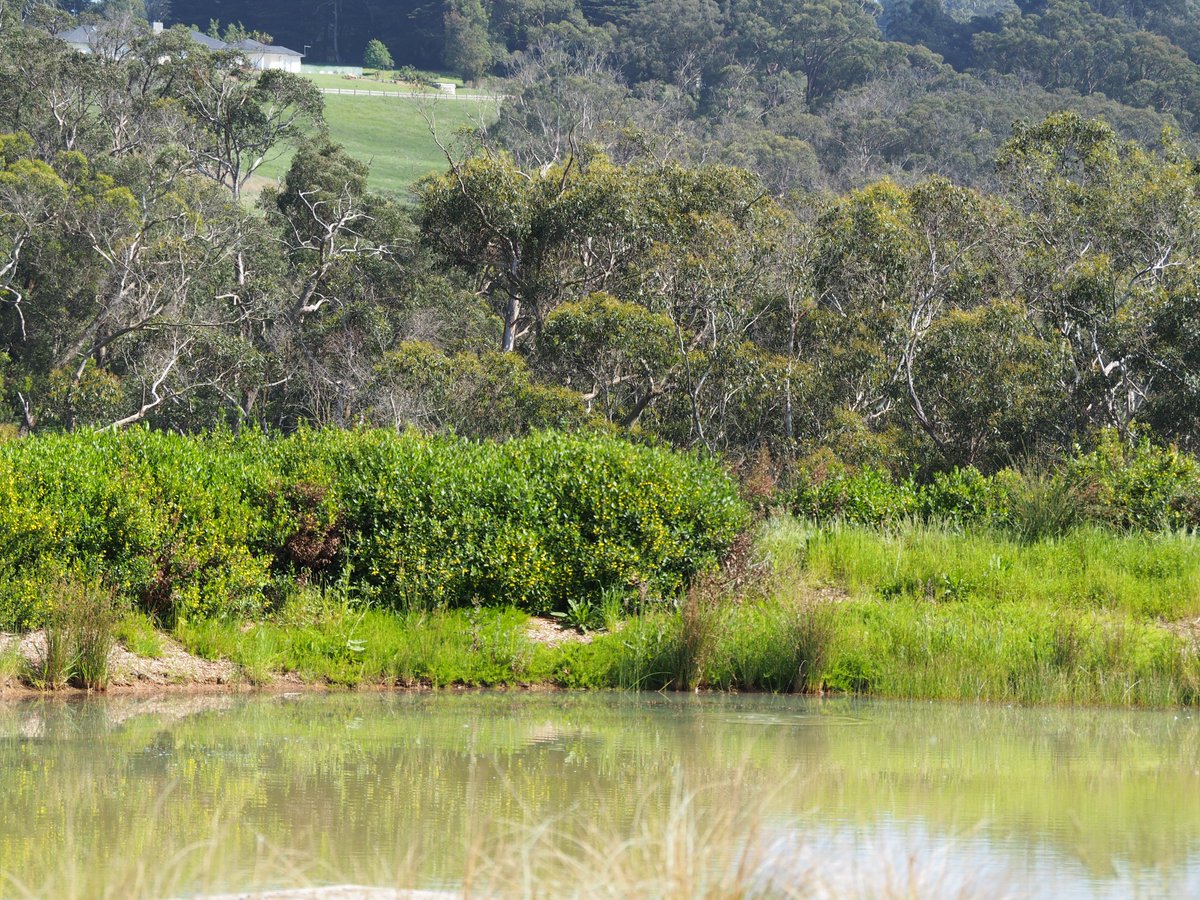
216 525
1128 483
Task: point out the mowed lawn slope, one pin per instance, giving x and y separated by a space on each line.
392 135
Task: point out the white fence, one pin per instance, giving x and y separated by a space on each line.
415 95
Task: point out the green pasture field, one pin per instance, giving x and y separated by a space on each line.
393 135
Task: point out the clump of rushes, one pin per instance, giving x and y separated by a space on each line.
92 628
698 619
79 635
57 659
792 650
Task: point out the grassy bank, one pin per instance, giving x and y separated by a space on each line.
935 612
370 558
923 612
919 611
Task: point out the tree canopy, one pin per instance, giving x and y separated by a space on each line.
674 257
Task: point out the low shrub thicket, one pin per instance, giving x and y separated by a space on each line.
224 525
1126 484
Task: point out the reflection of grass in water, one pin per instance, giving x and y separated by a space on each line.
706 842
332 778
216 860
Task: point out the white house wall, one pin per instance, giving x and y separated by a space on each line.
276 61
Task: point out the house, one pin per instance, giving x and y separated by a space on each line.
268 56
95 39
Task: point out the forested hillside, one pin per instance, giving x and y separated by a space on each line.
813 94
1025 278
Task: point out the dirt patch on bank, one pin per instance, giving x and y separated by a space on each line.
549 632
175 667
1188 629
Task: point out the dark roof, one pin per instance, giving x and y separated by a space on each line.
80 34
211 43
249 45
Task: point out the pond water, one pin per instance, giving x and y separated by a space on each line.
510 793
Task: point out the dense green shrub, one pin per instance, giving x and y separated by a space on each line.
1137 484
1127 483
197 526
965 495
866 496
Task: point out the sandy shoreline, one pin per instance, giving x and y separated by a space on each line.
177 672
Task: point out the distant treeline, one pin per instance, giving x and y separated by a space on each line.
815 94
416 30
574 276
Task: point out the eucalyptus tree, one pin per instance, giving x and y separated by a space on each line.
835 44
888 265
532 239
343 287
242 117
113 289
1113 243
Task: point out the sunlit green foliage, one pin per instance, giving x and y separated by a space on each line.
187 527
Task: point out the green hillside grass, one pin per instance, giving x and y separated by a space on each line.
390 134
371 81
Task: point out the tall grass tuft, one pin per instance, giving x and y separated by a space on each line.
92 620
58 659
698 618
78 627
1043 506
777 645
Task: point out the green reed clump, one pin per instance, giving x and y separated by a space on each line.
1043 506
698 620
779 645
78 625
92 619
58 660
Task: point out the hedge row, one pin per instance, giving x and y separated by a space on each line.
1129 484
218 525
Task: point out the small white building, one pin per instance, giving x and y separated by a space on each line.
268 56
94 39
